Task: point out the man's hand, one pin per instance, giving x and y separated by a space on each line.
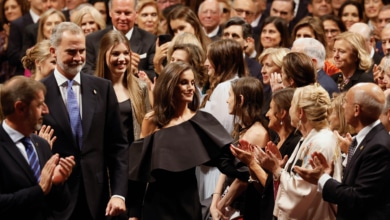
319 165
134 62
115 206
47 173
63 170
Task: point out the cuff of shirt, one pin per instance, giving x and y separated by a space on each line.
118 196
321 182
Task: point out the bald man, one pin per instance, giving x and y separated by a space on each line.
209 14
364 192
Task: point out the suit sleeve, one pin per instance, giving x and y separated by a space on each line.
116 146
91 56
370 179
14 44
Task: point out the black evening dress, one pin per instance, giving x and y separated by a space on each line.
165 162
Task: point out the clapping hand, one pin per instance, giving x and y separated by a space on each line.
319 165
63 170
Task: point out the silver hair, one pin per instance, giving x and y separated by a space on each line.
56 35
313 48
110 4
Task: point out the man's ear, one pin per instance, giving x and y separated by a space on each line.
20 107
53 52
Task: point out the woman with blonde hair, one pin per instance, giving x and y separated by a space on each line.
39 60
296 198
351 57
47 21
89 19
149 17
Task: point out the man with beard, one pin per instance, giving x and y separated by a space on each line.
85 118
30 176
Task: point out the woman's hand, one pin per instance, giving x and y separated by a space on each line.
343 142
276 81
160 55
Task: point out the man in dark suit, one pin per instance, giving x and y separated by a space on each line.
17 27
364 192
29 184
239 30
209 14
142 43
97 142
316 51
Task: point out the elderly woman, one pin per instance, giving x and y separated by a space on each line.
352 59
271 61
89 19
296 198
149 17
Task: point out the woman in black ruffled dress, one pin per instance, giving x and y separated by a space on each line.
176 138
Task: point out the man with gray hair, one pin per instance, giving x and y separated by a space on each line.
209 14
142 43
84 114
385 38
314 49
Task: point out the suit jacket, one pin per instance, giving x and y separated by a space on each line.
103 146
15 41
364 192
141 42
327 83
30 36
20 195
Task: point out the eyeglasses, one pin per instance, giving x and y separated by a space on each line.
242 11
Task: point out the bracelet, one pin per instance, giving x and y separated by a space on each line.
215 194
277 177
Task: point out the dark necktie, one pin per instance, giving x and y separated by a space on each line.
32 158
74 114
351 150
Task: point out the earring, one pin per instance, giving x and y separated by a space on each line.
281 122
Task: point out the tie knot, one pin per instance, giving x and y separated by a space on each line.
26 141
70 83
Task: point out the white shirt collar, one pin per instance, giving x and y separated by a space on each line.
362 133
13 134
256 21
61 79
128 34
34 16
212 33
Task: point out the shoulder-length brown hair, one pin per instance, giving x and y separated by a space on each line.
186 14
164 105
130 82
227 58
